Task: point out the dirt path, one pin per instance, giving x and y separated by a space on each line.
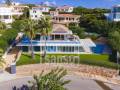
11 56
28 70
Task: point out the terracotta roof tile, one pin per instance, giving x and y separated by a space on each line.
67 15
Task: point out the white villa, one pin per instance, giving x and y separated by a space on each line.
61 40
115 13
7 12
41 8
65 8
19 8
54 13
35 14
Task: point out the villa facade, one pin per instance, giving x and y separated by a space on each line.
65 18
61 40
19 8
8 12
65 8
6 15
35 14
41 8
115 14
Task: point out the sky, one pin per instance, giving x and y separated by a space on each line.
84 3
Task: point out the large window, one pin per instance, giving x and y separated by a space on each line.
6 17
37 37
34 11
81 49
36 48
25 48
116 9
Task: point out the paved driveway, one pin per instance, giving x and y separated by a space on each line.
76 83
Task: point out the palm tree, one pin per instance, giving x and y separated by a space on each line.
28 29
114 38
2 62
50 81
2 26
44 26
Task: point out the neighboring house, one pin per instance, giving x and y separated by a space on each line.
7 13
115 13
42 8
19 8
65 8
35 14
60 40
66 19
54 13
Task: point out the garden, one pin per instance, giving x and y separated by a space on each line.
89 59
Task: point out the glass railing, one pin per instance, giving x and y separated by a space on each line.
52 42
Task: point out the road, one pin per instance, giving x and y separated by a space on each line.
77 83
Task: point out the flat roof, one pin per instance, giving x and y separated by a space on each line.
81 42
51 43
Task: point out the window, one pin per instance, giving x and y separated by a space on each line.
34 11
81 49
25 48
116 9
36 48
36 16
41 8
6 17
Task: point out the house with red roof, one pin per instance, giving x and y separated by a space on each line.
66 19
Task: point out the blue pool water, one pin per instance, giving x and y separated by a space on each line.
101 49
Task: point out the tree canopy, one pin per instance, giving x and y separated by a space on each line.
81 10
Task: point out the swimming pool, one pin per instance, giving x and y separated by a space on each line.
101 49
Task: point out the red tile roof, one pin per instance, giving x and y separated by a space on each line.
67 15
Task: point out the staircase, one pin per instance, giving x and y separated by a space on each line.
11 56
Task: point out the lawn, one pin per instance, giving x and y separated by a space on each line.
90 59
27 59
94 57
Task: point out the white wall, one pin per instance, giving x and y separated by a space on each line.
5 11
35 14
8 11
69 9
